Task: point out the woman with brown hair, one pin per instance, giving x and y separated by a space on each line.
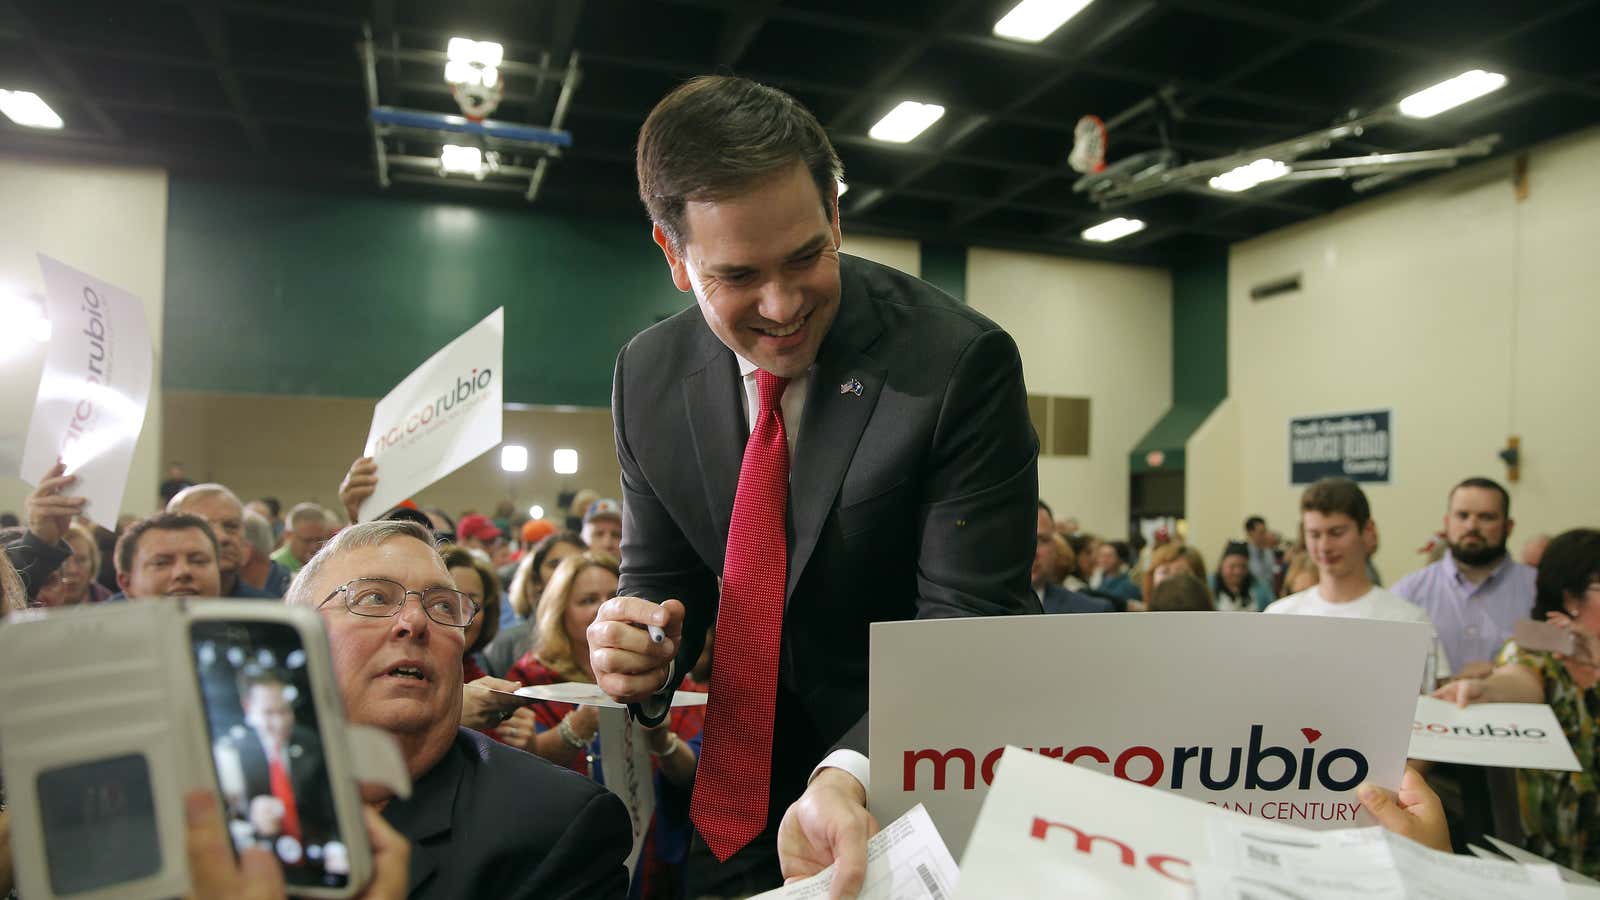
477 580
570 735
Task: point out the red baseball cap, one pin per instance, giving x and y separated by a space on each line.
476 526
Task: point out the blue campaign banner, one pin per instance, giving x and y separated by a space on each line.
1358 446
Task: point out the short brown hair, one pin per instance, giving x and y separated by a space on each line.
1181 593
128 544
715 135
1337 495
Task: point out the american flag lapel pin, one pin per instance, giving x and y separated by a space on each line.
852 386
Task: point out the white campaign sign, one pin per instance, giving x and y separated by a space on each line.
1279 717
94 391
625 766
1048 830
441 417
1513 735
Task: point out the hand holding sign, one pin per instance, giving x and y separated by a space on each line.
49 510
1414 811
359 484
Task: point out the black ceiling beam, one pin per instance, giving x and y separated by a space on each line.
208 21
739 30
1131 16
58 69
896 66
1403 49
564 18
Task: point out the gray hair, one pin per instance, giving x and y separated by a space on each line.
306 512
200 492
258 531
356 537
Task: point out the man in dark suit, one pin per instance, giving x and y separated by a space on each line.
838 442
484 820
271 769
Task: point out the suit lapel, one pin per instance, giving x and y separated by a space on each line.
834 419
425 816
710 393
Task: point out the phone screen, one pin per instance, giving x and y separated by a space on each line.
267 746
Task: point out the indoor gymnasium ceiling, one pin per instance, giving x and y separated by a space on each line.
275 91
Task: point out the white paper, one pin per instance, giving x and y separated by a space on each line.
1338 693
905 861
585 694
1520 855
1513 735
94 390
625 767
1053 830
1359 864
441 417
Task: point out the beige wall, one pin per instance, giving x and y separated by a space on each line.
1471 315
110 222
298 448
1211 495
1085 329
896 253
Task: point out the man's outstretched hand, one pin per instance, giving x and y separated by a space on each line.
828 826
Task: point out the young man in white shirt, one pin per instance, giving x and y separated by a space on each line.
1336 520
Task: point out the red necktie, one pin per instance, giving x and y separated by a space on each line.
732 781
281 789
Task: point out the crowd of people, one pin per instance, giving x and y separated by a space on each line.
907 496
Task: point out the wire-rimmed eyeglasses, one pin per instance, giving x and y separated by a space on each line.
381 598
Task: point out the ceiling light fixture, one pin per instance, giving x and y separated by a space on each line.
536 511
1113 229
462 160
564 461
484 53
28 109
1243 178
1452 93
1034 20
906 121
514 458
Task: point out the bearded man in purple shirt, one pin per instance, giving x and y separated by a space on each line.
1476 593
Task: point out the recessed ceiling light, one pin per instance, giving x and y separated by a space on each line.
1035 20
906 121
28 109
564 461
1452 93
485 53
514 458
1113 229
456 158
1243 178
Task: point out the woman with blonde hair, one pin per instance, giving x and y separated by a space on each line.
569 735
1171 559
537 567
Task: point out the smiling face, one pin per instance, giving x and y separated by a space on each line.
764 267
172 562
1336 543
403 673
1233 570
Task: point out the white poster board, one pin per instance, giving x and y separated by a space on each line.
1513 735
1278 717
94 390
441 417
625 766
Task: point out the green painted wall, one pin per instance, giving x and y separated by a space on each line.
1200 332
1199 359
280 291
945 267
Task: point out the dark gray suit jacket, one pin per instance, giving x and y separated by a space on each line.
913 499
492 821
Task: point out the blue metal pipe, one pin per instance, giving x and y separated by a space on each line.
432 121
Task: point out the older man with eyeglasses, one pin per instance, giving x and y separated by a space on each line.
484 820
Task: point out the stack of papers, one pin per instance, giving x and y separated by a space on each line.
905 861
